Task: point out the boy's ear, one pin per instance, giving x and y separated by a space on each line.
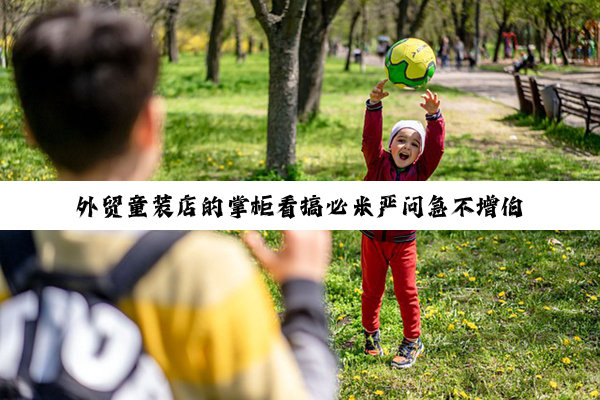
29 137
148 128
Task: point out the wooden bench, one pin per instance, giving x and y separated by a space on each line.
580 105
530 101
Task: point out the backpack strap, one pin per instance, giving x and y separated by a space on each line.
17 249
138 261
18 259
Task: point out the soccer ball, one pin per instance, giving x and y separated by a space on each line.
410 63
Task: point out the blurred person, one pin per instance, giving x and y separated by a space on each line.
204 313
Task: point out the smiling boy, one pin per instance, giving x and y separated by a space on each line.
413 152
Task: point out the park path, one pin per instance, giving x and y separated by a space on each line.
500 86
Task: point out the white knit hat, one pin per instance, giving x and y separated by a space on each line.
416 125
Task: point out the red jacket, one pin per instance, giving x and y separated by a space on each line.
380 164
391 236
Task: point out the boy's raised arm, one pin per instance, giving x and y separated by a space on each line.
434 140
372 147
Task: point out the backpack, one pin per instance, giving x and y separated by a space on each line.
61 336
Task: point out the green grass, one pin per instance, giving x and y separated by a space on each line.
501 312
218 132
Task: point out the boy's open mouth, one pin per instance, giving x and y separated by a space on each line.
403 157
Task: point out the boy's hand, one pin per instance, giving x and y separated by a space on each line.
432 103
304 255
377 93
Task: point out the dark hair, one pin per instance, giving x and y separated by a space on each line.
83 76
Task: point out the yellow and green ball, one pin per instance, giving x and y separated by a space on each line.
410 63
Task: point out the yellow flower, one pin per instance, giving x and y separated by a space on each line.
566 341
441 275
427 374
472 279
464 395
564 256
521 303
546 308
490 312
341 244
472 326
340 376
521 311
364 371
500 370
512 316
553 384
351 397
466 274
581 264
501 294
480 238
566 360
461 313
391 279
502 268
594 393
538 377
577 339
451 327
528 272
539 279
593 298
356 378
379 392
501 301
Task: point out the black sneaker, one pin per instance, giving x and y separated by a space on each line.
408 352
372 346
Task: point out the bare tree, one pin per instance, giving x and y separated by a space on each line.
315 29
171 12
282 26
214 43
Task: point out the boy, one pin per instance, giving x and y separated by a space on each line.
85 80
397 165
413 156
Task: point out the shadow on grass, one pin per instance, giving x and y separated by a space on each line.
558 134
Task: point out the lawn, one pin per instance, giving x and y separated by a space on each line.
219 132
505 315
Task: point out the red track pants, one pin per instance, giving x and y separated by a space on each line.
402 258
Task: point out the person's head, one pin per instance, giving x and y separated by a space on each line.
407 142
85 78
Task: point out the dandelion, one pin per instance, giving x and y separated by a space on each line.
391 279
564 256
530 247
528 272
502 268
466 274
501 294
553 384
582 264
577 339
441 275
472 326
520 310
351 397
451 327
546 308
341 245
461 313
593 298
379 392
464 395
594 393
364 371
538 377
566 360
500 370
539 279
501 301
472 279
490 312
356 378
512 316
566 341
480 238
239 153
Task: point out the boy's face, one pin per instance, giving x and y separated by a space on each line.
405 147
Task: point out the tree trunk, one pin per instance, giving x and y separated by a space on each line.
402 18
283 102
350 38
419 18
313 39
171 30
250 44
282 26
477 31
239 55
499 41
556 37
214 43
4 55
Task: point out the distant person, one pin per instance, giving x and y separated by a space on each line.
444 52
459 51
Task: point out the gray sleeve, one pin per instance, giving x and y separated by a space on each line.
305 328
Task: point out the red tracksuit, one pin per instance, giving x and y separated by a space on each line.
398 249
380 165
